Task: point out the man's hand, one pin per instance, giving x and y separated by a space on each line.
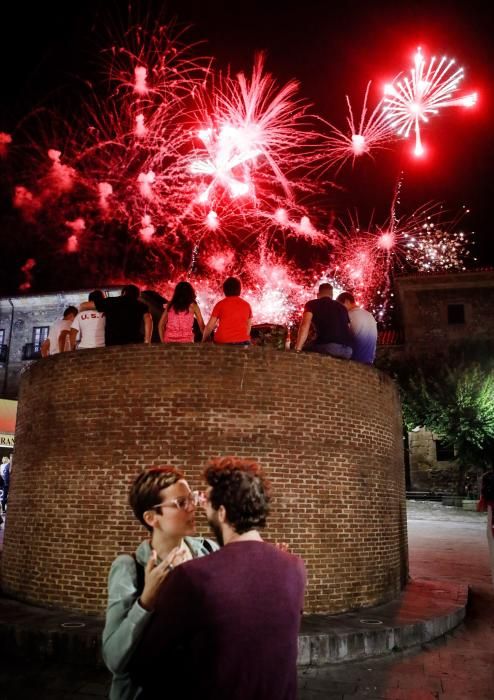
62 341
209 328
73 338
303 331
148 328
45 348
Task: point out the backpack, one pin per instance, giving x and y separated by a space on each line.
207 545
487 489
140 576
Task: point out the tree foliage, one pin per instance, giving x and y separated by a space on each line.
458 405
453 396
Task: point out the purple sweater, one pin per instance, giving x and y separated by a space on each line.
225 626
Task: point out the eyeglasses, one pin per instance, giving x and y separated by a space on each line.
194 499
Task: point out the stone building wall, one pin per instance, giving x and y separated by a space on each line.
327 431
429 332
427 473
424 302
24 314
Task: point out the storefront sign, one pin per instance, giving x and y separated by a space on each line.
6 440
8 411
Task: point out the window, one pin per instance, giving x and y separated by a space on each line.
456 314
444 453
40 334
3 347
31 351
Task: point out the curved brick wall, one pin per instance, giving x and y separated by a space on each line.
328 433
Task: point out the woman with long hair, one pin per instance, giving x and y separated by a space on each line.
176 323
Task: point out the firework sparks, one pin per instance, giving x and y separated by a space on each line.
369 134
27 203
193 172
5 141
105 190
257 136
147 230
365 260
302 227
27 270
434 248
409 102
227 150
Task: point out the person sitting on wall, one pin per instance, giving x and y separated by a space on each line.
162 501
126 317
57 341
332 324
364 329
89 326
155 303
177 322
232 315
226 626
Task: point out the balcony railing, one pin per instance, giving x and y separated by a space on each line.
31 351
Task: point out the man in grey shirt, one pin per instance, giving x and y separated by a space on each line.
364 329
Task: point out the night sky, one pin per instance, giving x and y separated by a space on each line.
332 48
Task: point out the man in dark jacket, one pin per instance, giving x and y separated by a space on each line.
226 626
127 319
332 325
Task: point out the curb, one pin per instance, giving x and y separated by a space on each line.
30 632
424 611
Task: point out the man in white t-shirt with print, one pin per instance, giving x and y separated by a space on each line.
89 326
57 340
364 329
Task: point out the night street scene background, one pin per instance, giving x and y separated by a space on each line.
286 144
131 150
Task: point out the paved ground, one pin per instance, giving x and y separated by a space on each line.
444 543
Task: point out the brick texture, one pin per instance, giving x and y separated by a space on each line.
328 433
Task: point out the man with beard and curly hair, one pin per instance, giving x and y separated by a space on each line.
226 626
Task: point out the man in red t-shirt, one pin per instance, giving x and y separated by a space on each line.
234 316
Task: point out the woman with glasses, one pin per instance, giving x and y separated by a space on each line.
163 502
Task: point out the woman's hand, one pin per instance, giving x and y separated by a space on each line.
155 574
282 546
162 325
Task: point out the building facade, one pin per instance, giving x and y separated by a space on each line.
24 324
443 309
439 312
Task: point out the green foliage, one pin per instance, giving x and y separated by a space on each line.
452 396
458 405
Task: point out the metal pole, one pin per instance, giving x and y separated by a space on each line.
6 375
